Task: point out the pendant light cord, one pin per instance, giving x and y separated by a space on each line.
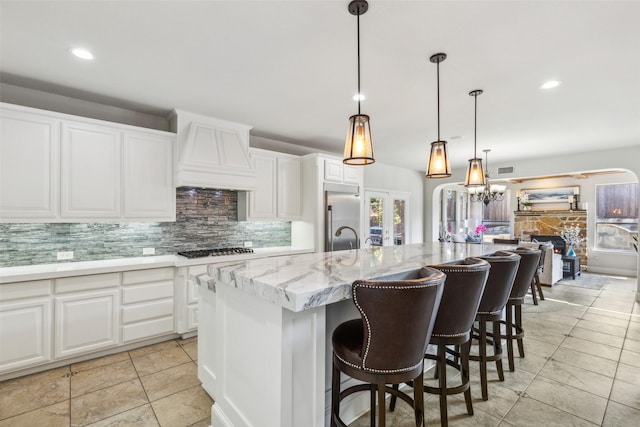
438 78
475 126
358 30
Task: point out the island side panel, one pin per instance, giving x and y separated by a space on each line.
262 364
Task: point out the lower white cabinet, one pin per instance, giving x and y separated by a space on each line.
86 320
25 333
147 303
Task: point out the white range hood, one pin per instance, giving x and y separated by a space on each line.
212 153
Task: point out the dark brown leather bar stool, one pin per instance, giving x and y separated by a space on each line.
496 293
535 283
387 344
529 261
463 289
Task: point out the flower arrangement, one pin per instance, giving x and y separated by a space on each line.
571 235
480 229
524 199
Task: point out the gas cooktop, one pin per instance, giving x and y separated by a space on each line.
215 252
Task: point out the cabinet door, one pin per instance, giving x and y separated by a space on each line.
25 333
352 174
29 158
90 171
149 192
289 187
333 170
85 322
262 201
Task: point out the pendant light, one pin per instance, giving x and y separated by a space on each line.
439 166
358 148
475 173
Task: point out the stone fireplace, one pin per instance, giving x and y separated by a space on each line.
550 223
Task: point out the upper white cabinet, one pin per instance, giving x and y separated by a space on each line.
91 171
277 196
336 171
148 177
212 153
29 166
61 168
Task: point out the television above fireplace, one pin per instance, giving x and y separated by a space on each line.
559 245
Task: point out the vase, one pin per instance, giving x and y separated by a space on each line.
570 251
526 208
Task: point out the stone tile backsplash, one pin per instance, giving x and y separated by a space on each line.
205 219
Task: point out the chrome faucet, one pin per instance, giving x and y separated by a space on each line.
355 233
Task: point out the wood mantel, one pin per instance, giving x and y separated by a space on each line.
550 223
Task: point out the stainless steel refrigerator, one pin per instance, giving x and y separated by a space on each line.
342 215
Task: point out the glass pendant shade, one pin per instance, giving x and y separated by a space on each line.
475 173
439 166
358 148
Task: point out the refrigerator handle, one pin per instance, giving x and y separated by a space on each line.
330 230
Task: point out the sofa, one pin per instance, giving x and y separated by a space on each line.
552 268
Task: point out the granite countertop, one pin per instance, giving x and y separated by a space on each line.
66 269
301 282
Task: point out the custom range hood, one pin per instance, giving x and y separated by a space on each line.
212 153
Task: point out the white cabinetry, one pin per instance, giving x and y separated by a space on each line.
91 162
147 303
336 171
25 324
29 166
148 177
86 314
277 196
108 171
187 297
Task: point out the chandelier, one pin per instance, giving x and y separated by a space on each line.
489 192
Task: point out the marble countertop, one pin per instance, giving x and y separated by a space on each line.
66 269
302 282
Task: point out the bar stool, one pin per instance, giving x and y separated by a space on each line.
535 283
463 289
529 261
501 276
387 344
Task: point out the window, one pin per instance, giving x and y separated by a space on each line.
616 216
496 216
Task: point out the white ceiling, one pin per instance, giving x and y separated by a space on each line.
288 68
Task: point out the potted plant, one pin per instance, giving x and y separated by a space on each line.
571 235
524 200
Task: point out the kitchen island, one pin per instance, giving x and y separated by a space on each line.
264 346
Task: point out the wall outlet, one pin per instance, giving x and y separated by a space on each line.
65 255
148 251
248 244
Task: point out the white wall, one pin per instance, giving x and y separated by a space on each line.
381 177
621 158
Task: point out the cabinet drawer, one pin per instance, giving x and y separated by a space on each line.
144 276
13 291
147 292
148 310
138 331
87 283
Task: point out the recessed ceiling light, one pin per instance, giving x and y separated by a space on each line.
550 84
358 97
456 137
82 53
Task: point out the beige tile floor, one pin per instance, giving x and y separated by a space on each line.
582 368
150 386
581 364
